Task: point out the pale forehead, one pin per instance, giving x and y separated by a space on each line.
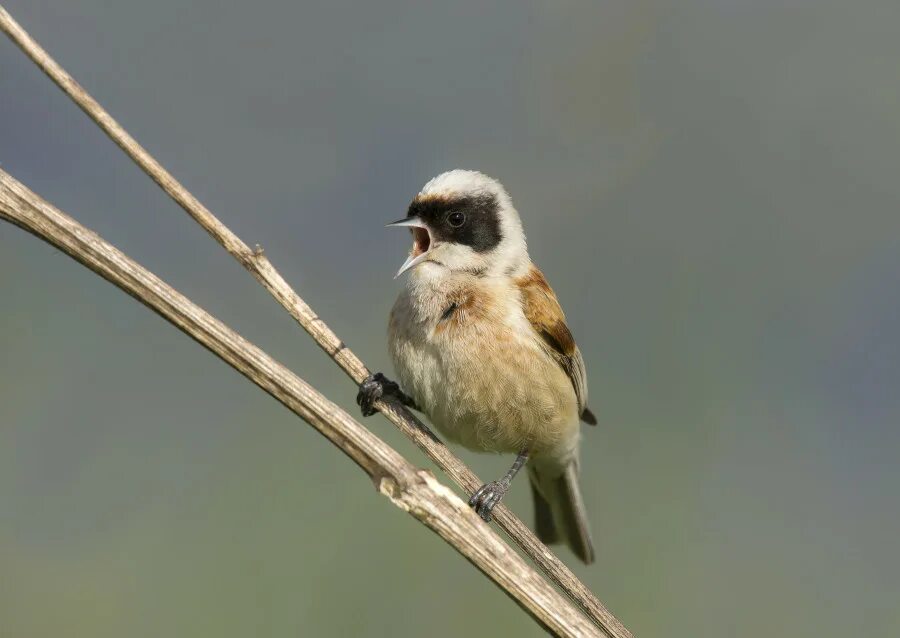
461 182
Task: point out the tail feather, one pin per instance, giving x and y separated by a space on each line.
560 511
545 528
573 516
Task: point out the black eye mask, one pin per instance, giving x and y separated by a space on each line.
480 228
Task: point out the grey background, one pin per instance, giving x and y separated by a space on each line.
710 186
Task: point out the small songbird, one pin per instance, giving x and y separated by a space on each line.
481 346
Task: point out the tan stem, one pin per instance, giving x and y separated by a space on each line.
413 490
260 267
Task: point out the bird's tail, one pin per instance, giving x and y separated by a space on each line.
559 508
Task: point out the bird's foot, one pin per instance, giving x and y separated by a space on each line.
373 388
486 497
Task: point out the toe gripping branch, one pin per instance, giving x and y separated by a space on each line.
377 386
486 497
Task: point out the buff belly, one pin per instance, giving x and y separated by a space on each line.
486 385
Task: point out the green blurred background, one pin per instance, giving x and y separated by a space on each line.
711 187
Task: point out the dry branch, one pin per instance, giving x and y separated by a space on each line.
413 490
260 267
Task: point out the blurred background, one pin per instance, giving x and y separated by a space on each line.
712 189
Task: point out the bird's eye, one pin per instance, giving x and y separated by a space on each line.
456 219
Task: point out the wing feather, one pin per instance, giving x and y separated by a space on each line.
546 316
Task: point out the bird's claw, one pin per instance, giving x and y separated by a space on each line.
486 497
374 387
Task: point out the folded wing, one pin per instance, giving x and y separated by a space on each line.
546 316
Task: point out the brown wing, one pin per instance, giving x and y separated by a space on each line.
543 311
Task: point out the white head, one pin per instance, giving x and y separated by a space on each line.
465 222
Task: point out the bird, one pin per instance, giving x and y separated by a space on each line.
480 345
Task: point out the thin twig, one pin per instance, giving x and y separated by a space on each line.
260 267
413 490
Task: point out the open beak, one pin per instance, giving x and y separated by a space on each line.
421 242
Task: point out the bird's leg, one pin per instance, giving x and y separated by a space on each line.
486 497
377 386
